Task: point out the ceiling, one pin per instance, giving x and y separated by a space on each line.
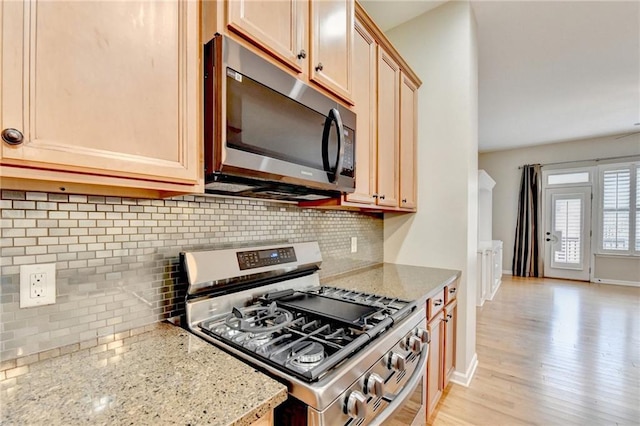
548 71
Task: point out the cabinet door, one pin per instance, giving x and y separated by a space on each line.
434 363
388 118
364 96
103 88
408 109
276 26
450 320
331 36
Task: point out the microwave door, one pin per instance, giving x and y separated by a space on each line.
277 134
333 141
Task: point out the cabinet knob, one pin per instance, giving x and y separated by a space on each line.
319 67
12 136
382 197
375 195
302 54
438 302
404 200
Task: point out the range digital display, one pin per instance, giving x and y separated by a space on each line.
260 258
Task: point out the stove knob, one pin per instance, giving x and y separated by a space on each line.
356 405
414 344
374 385
396 362
423 335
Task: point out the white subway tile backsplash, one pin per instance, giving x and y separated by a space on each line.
117 258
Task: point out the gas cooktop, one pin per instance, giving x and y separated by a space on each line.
305 332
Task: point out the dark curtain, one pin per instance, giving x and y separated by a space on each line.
527 261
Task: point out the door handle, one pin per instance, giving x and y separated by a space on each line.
333 116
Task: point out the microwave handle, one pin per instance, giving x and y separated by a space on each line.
334 115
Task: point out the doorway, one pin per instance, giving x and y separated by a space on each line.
567 233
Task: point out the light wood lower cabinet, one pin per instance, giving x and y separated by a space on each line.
441 324
435 327
266 420
104 94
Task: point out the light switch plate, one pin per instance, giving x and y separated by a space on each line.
37 285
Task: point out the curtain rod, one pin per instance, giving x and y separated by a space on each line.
585 161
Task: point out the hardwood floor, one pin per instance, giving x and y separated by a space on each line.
552 352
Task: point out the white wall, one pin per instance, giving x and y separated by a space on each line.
441 48
503 168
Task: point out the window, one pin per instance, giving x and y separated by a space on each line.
566 178
620 208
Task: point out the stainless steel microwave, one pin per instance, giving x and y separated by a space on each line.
268 134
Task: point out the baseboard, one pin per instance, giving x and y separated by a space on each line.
465 379
507 272
495 291
616 282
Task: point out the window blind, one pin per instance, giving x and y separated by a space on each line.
616 191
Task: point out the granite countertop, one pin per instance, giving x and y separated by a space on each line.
404 282
163 376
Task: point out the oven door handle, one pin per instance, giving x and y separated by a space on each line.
400 398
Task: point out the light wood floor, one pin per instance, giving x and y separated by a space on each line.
552 352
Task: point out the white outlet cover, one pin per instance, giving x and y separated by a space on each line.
49 271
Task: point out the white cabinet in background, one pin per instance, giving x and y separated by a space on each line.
489 270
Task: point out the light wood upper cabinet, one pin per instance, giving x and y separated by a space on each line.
364 95
103 88
331 35
388 129
276 26
408 109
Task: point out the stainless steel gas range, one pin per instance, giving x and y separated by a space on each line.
348 358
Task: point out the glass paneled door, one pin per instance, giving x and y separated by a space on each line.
568 233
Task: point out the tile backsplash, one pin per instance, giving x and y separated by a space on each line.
117 265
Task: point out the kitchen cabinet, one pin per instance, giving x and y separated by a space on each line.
365 59
449 358
442 310
388 129
408 136
331 36
385 102
314 39
278 27
103 97
435 380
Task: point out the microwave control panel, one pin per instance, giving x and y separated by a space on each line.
348 162
260 258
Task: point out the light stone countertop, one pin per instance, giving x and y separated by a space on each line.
411 283
164 376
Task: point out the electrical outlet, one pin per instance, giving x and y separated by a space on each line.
37 285
354 244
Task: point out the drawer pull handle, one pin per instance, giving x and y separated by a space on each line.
452 290
302 54
438 302
382 197
319 67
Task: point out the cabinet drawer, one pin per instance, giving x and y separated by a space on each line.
451 292
435 304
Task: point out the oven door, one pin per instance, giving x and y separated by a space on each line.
407 407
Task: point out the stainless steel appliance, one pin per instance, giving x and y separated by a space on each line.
267 134
348 358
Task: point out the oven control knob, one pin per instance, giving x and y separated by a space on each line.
414 344
396 362
423 335
374 386
356 407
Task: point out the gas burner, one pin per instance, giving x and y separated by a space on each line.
379 316
258 319
306 355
